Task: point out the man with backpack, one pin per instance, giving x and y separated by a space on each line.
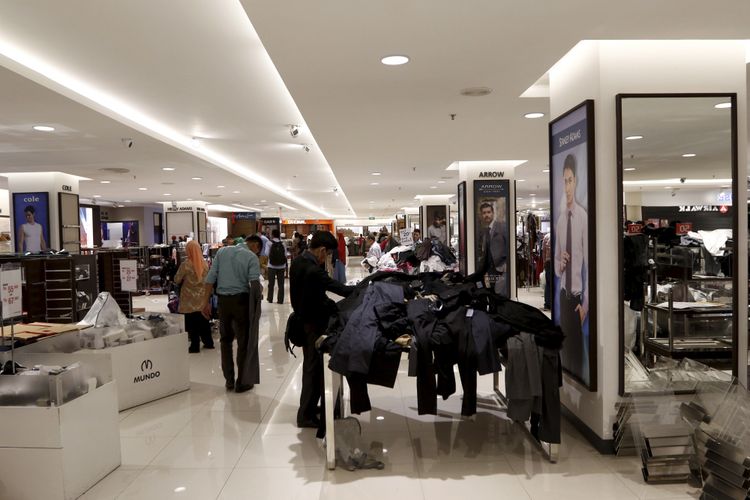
277 256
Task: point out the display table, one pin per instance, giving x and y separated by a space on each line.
59 452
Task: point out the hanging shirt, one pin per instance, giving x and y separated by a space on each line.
32 237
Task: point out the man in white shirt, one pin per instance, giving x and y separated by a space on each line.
571 264
31 233
437 230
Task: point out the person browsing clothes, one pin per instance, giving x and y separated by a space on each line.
308 284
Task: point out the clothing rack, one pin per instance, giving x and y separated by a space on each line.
333 394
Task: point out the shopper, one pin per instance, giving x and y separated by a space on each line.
277 264
235 272
437 230
374 250
308 284
416 236
190 277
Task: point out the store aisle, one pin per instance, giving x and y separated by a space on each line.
207 443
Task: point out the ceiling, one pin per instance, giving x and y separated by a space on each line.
162 72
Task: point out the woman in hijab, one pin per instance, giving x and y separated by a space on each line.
190 276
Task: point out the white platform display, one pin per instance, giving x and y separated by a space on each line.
149 370
59 452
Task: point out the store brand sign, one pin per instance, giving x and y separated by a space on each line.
175 208
67 188
491 175
146 365
701 208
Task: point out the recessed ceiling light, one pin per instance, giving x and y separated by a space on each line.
167 194
236 192
532 194
220 187
433 187
723 105
630 169
441 182
521 180
633 137
43 128
688 155
197 178
394 60
545 171
142 189
667 187
127 201
189 199
263 201
535 114
375 173
97 196
104 182
374 183
167 169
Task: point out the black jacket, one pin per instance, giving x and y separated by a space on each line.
308 284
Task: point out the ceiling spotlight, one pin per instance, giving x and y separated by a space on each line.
689 155
220 187
394 60
97 196
43 128
375 173
167 169
545 171
633 137
521 180
306 148
127 201
142 189
197 178
127 142
723 105
294 130
336 191
433 187
533 115
167 194
441 182
374 183
236 192
104 182
630 169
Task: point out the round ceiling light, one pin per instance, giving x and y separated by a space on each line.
545 171
142 189
689 155
97 196
43 128
630 169
376 173
374 183
476 92
396 60
104 182
633 137
197 178
167 169
533 115
723 105
220 187
167 194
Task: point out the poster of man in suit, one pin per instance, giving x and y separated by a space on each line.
491 237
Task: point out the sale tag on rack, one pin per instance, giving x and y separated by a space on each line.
405 236
10 292
129 275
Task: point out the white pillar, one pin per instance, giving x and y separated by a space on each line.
600 71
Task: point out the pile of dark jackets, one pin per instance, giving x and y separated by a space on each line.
452 320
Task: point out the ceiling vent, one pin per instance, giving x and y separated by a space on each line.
115 170
476 91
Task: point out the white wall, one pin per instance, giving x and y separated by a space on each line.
599 71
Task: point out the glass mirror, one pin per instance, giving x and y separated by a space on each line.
677 160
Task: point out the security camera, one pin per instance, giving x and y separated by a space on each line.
128 143
294 130
682 180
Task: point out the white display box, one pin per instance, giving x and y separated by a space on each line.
149 370
59 452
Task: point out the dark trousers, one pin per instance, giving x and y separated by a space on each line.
277 276
570 322
312 376
239 317
548 280
198 329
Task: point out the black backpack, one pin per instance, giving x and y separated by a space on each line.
294 336
277 255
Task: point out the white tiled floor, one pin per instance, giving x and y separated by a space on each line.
207 443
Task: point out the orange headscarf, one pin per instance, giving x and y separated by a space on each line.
195 256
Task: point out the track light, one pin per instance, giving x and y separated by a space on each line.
306 147
294 130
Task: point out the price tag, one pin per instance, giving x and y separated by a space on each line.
129 275
469 313
10 292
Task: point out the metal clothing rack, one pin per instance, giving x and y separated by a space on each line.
333 390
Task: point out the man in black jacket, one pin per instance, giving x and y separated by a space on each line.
308 284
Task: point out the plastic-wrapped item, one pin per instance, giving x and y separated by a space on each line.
104 312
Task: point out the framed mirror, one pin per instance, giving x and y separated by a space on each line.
678 175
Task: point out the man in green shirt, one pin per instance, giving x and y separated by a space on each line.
234 272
